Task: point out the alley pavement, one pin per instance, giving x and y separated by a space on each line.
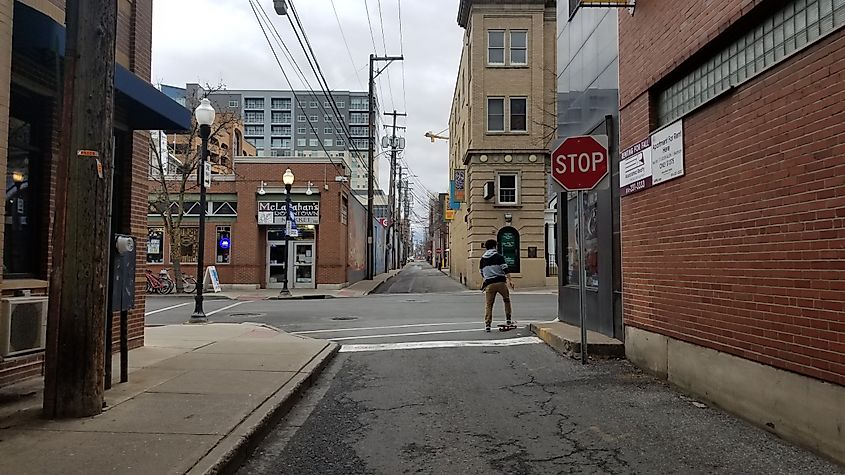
418 387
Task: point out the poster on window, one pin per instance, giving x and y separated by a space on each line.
591 240
154 245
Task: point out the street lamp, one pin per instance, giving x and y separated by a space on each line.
287 179
204 114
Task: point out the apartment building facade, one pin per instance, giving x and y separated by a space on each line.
502 121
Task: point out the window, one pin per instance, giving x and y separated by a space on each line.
254 117
300 118
327 117
224 244
327 142
313 104
281 130
326 104
360 131
188 239
314 118
155 245
254 130
281 117
280 103
518 114
341 104
313 143
256 141
359 103
328 130
300 130
254 103
508 190
276 142
358 118
786 30
495 114
233 104
339 143
300 142
496 47
519 47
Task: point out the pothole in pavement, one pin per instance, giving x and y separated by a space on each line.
344 318
245 315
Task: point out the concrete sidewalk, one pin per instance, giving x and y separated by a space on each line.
358 289
198 398
566 340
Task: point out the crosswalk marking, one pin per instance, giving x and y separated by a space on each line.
420 345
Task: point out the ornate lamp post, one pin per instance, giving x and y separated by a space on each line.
287 179
204 114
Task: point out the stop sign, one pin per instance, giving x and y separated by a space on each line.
580 163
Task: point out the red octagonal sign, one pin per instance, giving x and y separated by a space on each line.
579 163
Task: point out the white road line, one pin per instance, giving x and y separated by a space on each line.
384 328
419 345
167 308
225 308
392 335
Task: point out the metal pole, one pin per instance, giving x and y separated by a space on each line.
285 292
391 196
199 314
582 280
370 162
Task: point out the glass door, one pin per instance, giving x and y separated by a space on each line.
276 263
304 265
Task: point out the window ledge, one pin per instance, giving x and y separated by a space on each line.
515 206
494 133
507 66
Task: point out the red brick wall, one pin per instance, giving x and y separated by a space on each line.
746 253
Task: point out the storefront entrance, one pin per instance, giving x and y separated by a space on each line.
300 256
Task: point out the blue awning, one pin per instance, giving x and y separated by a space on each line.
148 108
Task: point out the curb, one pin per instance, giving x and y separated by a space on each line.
572 348
235 447
205 296
385 281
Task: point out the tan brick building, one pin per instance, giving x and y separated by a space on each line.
32 40
502 120
734 271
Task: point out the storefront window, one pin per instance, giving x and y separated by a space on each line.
155 245
509 247
224 244
591 240
189 239
20 251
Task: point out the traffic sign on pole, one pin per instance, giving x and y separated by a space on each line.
580 163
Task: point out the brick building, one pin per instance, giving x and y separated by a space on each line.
248 207
32 40
733 255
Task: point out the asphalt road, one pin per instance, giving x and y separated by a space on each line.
402 398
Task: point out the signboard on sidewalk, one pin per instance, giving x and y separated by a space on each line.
211 275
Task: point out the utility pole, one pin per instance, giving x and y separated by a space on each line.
394 147
398 210
409 238
74 367
371 156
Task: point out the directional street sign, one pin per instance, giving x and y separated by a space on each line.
580 163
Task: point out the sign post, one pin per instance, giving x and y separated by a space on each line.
579 164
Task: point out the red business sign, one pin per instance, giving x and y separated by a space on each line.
580 163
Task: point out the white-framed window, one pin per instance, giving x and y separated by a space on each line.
326 104
300 130
328 130
314 118
496 47
254 117
327 117
313 143
508 188
495 114
518 114
254 103
300 142
313 104
233 104
327 142
340 143
256 141
300 118
519 47
341 104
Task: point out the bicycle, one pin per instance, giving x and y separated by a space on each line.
189 283
160 284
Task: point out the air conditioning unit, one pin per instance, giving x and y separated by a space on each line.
23 325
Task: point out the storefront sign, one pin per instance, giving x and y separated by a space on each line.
635 168
273 212
667 153
450 214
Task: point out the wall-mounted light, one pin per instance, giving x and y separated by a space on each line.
262 191
309 191
18 178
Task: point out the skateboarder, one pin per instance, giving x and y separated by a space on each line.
497 279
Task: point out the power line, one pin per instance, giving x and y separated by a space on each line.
348 50
384 45
402 53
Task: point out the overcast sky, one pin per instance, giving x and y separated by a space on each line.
219 42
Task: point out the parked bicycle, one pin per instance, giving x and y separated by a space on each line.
164 284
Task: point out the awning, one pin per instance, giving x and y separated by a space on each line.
148 108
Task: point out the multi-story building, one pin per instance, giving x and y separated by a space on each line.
281 123
733 236
32 39
502 121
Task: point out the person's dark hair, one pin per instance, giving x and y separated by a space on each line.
490 244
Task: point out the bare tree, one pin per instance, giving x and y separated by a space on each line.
174 171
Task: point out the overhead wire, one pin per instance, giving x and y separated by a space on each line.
348 50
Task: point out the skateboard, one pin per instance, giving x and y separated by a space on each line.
503 327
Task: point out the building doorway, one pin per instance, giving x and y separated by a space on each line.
301 254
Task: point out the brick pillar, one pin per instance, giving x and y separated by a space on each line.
6 11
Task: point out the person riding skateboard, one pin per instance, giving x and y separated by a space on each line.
497 279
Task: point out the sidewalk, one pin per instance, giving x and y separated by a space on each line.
358 289
566 340
198 397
